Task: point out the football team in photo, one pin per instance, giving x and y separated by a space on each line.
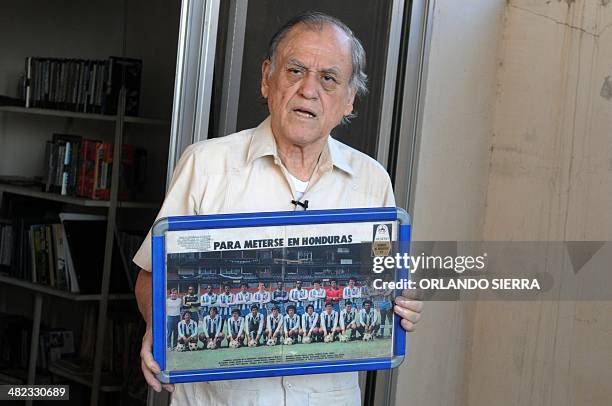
252 318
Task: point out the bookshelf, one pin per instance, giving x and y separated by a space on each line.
93 377
47 290
146 30
82 116
78 201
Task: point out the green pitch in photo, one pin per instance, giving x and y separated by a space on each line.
249 356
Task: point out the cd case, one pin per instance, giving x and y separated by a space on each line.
280 293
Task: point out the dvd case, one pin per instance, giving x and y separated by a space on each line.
278 293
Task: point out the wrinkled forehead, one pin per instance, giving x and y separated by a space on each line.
326 42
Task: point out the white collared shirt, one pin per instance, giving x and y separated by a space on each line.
213 177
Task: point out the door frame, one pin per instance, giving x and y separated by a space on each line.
399 132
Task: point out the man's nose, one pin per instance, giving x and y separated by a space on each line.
309 86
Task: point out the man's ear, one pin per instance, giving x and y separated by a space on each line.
349 105
265 71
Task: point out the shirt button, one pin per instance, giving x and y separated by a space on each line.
289 385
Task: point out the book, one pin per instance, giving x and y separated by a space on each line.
62 278
51 153
101 190
123 72
50 255
28 82
6 242
72 145
87 168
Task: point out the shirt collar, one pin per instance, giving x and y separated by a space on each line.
263 144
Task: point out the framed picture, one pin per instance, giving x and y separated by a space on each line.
279 293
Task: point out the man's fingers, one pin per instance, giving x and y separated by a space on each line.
150 363
407 325
413 294
145 353
407 314
147 359
414 305
168 387
149 377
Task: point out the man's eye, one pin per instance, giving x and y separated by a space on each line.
294 71
328 78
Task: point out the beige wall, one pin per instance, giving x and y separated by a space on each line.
549 179
516 145
451 184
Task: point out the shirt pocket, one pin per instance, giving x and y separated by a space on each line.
343 397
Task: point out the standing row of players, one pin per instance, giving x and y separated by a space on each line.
298 296
256 329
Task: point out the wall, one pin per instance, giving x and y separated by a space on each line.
516 145
451 185
549 180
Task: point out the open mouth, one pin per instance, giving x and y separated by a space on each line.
304 113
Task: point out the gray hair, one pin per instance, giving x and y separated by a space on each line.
316 20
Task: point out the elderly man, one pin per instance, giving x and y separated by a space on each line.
310 79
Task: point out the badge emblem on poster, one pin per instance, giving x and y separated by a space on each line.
381 246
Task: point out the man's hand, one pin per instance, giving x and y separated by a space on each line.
147 363
149 366
409 308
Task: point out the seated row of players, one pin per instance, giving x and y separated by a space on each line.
249 330
298 297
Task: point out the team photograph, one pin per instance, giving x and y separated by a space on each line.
252 307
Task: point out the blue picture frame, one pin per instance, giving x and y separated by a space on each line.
261 219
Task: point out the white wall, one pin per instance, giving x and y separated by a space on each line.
452 184
516 145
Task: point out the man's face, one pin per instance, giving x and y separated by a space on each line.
235 316
275 312
309 311
348 308
308 90
212 312
317 286
173 295
351 283
290 312
227 289
328 309
243 288
333 284
261 286
190 290
209 289
367 307
279 286
254 312
187 317
298 284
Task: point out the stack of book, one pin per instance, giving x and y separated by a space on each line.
67 254
82 85
77 166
